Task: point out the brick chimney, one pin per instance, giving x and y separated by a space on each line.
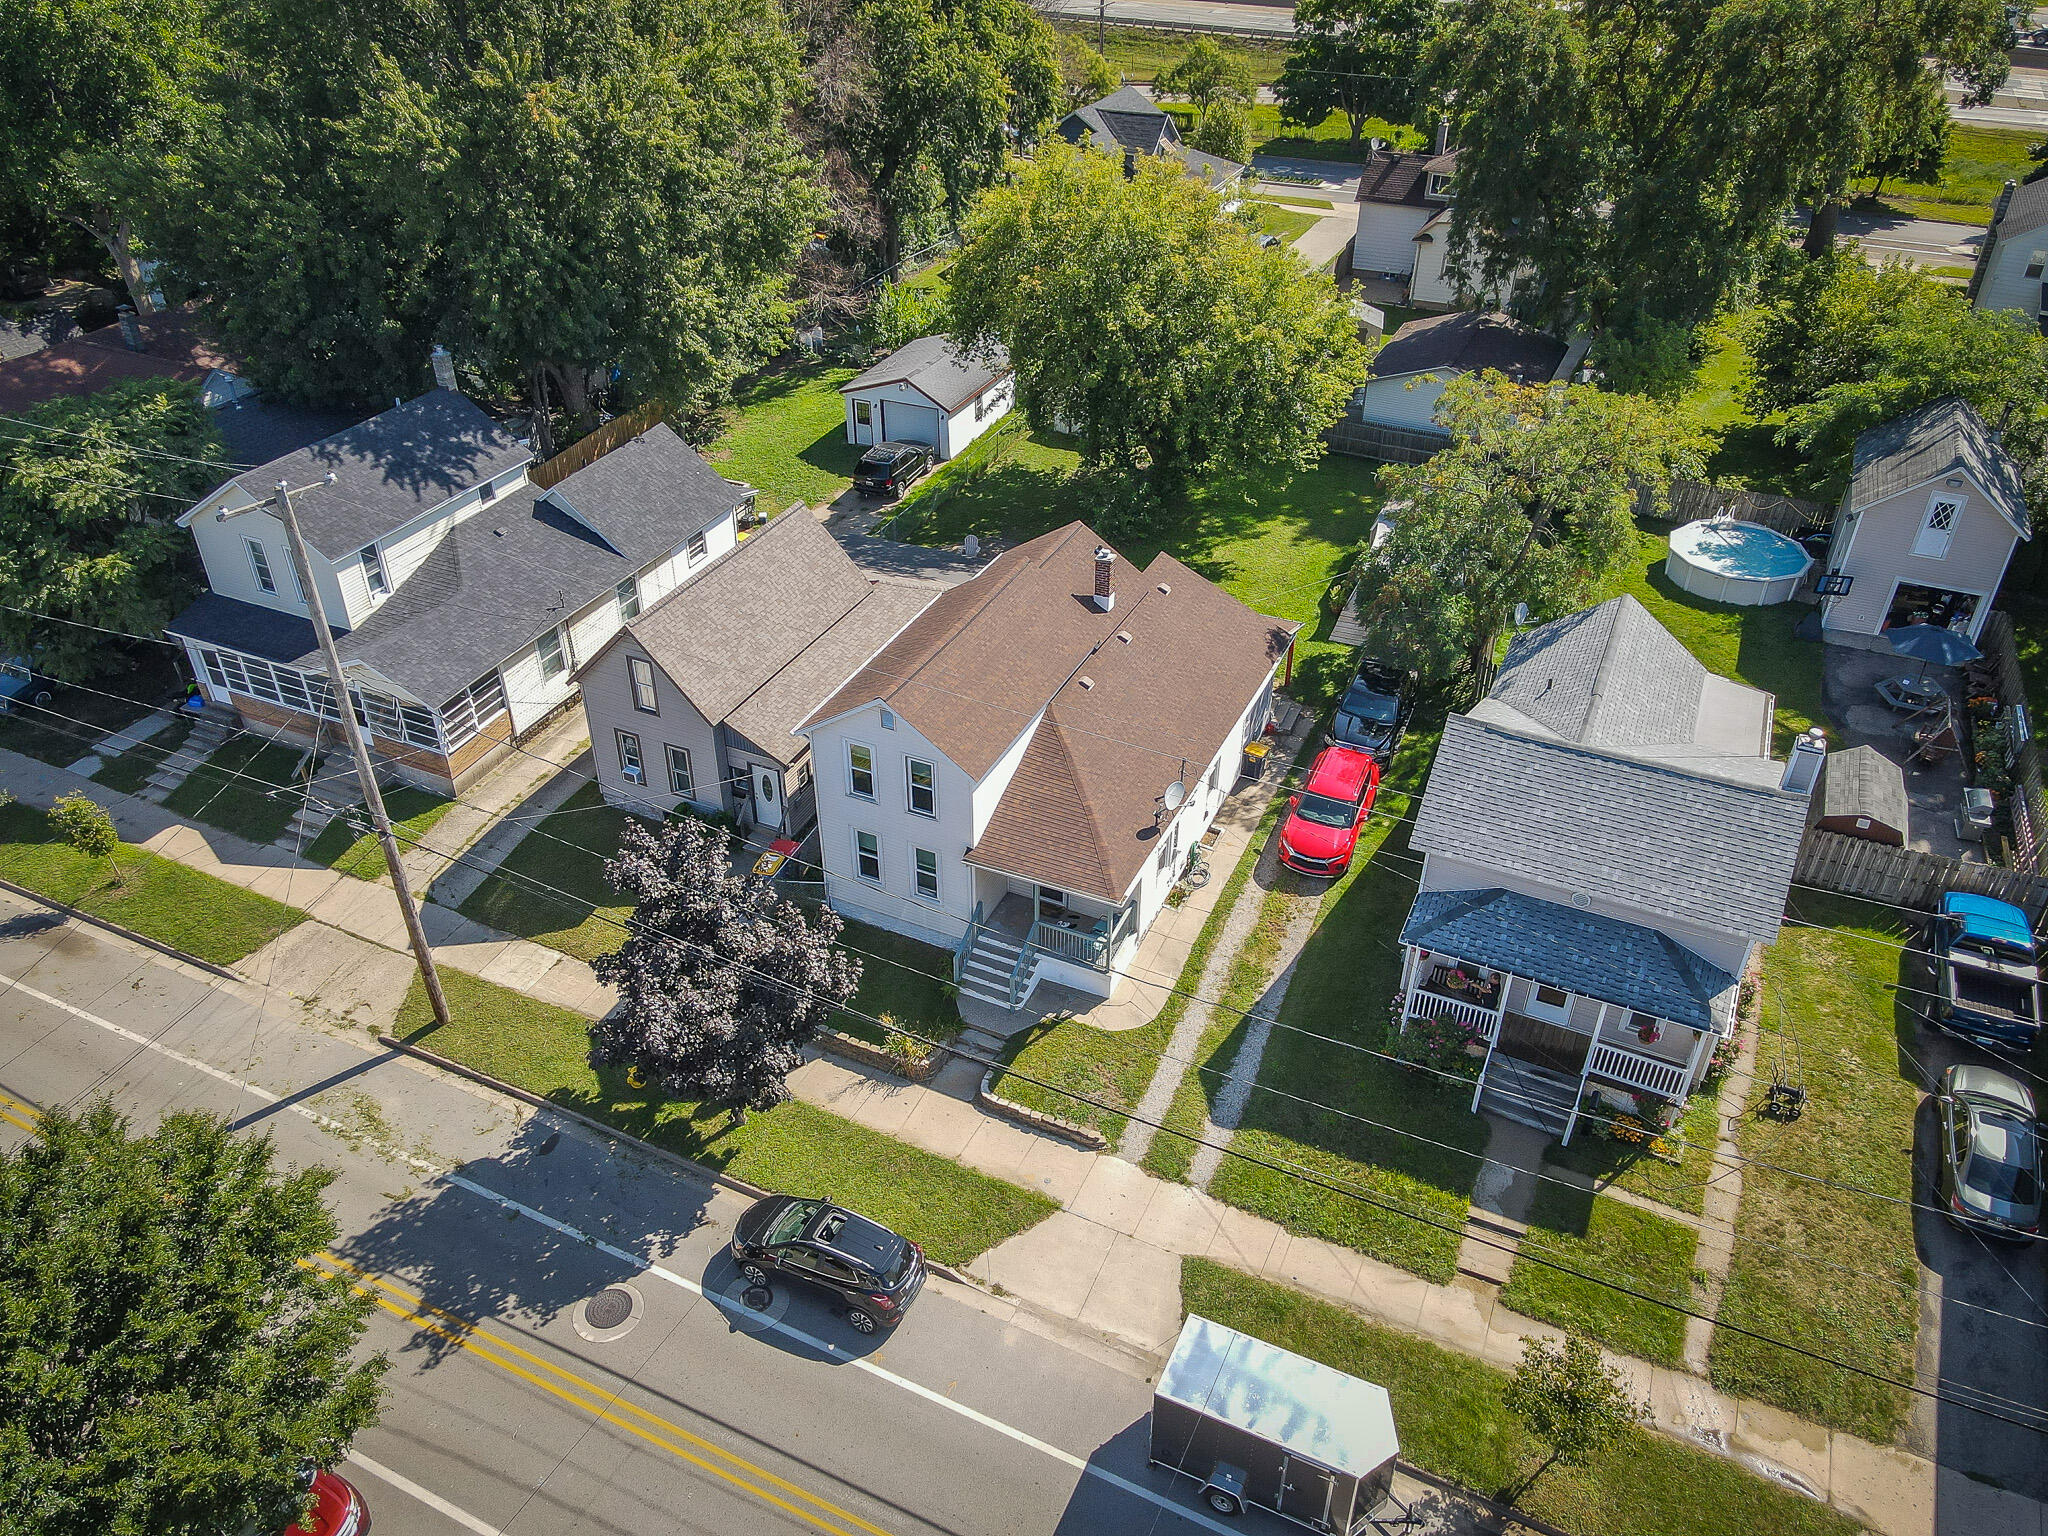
1105 557
131 328
444 369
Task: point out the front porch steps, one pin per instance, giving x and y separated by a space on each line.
1530 1095
986 975
209 732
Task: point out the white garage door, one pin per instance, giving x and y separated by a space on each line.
910 423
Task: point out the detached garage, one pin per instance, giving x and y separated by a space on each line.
928 392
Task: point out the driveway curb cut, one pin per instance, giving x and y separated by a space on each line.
127 933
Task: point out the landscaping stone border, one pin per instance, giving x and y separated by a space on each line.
862 1053
124 932
1036 1119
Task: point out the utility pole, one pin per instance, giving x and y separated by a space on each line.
366 773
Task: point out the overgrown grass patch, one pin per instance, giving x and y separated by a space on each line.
184 908
552 887
1605 1240
1979 162
64 731
953 1211
903 981
1454 1423
1829 1268
413 814
246 787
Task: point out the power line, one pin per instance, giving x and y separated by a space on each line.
107 439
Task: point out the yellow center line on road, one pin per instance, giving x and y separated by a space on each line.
586 1394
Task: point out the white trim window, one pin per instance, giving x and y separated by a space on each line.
554 656
867 857
925 873
1551 1004
921 783
860 770
863 413
373 571
641 671
1932 542
628 594
680 780
693 552
259 566
631 766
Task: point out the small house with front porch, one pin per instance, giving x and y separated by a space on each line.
1607 842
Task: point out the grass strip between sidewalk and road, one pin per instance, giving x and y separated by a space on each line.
160 898
1454 1423
955 1212
1614 1241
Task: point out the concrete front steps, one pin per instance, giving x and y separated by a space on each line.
1528 1094
209 733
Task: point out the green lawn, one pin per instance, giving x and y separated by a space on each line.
181 907
1322 204
245 788
903 981
1751 645
552 887
789 436
1143 52
1343 983
1746 452
1680 1184
954 1212
129 771
1979 162
1328 140
1288 223
1607 1240
1835 994
413 813
75 718
1453 1423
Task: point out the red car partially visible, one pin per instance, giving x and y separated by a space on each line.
1321 830
338 1510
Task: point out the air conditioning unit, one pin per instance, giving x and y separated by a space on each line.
633 775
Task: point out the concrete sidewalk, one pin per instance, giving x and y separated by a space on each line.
1110 1258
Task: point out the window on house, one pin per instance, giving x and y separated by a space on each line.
472 709
419 725
259 562
863 413
383 717
292 685
1940 526
213 668
924 791
554 658
642 672
860 770
1552 1003
867 857
693 552
629 758
927 873
628 593
2036 262
680 781
373 571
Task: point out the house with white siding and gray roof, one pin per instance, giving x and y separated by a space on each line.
1606 843
929 391
462 593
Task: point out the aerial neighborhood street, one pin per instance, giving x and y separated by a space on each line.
963 767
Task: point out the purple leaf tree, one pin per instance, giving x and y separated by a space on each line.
723 981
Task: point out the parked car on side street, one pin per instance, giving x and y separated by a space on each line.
1989 1178
21 683
1373 712
1987 975
338 1509
1321 830
890 469
873 1271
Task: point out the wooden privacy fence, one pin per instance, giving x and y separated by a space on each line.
1793 516
2026 801
1390 445
1908 878
588 450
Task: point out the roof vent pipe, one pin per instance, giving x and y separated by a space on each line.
1105 557
444 369
1802 768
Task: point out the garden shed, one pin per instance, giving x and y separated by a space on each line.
1863 794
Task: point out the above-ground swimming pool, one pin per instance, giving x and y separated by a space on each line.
1742 563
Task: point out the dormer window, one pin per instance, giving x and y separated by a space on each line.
373 571
2036 262
628 594
1439 186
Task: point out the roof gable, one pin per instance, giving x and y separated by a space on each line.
1394 176
937 369
1608 676
1942 438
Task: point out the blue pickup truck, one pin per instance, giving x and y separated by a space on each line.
1987 974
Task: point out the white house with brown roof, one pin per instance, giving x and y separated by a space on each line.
998 779
1400 195
696 701
928 391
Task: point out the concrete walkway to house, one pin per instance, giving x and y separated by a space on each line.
1109 1258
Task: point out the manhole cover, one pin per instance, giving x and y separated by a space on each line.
609 1307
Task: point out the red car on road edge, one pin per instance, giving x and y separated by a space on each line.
338 1510
1321 830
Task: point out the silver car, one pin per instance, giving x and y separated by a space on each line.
1990 1179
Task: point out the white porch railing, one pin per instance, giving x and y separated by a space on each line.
1636 1071
1425 1004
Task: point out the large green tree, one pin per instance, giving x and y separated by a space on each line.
558 193
88 490
168 1361
1209 77
94 96
1142 316
1364 58
1532 503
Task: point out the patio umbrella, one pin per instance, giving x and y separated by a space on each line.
1931 645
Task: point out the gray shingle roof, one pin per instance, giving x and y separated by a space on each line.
1395 176
391 468
245 627
2027 211
1130 120
1583 952
938 369
1608 676
1468 341
1938 439
655 480
1653 837
892 560
1862 781
255 431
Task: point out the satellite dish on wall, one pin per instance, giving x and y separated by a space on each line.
1176 794
1521 615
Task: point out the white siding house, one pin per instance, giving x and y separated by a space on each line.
928 392
1410 373
2011 270
1398 195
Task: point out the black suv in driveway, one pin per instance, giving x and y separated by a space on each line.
1374 711
873 1271
889 469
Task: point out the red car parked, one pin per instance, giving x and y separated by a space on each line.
338 1510
1321 829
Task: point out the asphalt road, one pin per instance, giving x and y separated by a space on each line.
1924 242
1195 15
480 1233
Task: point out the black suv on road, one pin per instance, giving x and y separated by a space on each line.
1374 711
873 1271
889 469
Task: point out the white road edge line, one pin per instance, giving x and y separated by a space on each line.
426 1496
659 1272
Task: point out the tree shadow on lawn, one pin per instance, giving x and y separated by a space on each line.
831 454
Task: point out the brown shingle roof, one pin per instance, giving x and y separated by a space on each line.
175 346
1394 177
1017 642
